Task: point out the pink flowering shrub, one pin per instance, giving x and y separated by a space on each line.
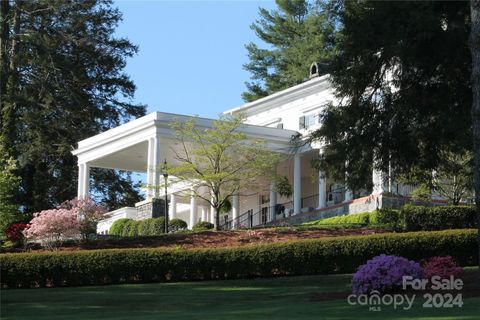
384 273
52 227
88 212
443 267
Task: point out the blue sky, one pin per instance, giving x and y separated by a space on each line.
191 52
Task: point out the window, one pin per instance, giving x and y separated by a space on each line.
308 121
279 125
264 199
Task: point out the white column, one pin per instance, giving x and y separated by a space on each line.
235 209
173 206
348 195
273 200
322 189
378 180
297 184
203 210
157 166
193 210
80 181
150 169
86 186
348 192
83 180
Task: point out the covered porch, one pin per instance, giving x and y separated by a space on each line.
144 144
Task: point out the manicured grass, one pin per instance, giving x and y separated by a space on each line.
280 298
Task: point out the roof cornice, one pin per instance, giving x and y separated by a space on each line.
282 97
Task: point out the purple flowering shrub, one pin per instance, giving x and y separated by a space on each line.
384 273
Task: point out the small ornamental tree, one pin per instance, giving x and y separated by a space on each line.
88 212
222 160
52 227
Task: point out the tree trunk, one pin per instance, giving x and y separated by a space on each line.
217 219
9 71
475 50
4 40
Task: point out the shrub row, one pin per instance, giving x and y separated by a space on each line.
203 226
358 218
438 218
317 256
410 218
148 227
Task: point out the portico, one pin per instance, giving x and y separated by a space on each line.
143 144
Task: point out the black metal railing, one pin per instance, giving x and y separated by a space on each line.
268 215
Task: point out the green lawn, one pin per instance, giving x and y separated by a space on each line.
289 298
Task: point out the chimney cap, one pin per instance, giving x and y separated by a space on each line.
314 70
317 69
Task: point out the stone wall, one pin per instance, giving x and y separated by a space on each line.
151 209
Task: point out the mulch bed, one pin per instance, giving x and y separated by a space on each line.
210 239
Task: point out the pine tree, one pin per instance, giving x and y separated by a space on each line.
403 72
62 80
475 50
297 34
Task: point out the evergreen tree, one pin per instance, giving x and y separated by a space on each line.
62 80
297 34
475 50
403 73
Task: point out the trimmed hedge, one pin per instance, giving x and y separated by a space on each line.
438 218
130 229
176 225
358 218
133 228
409 218
315 256
203 226
117 226
152 227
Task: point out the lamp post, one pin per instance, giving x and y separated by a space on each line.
165 175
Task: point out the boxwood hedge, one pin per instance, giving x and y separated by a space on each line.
438 218
316 256
409 218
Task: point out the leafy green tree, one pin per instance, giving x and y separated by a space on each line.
222 160
62 81
451 179
297 34
9 211
403 73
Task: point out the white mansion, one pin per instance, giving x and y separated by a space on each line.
145 142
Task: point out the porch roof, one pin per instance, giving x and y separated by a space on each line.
126 146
